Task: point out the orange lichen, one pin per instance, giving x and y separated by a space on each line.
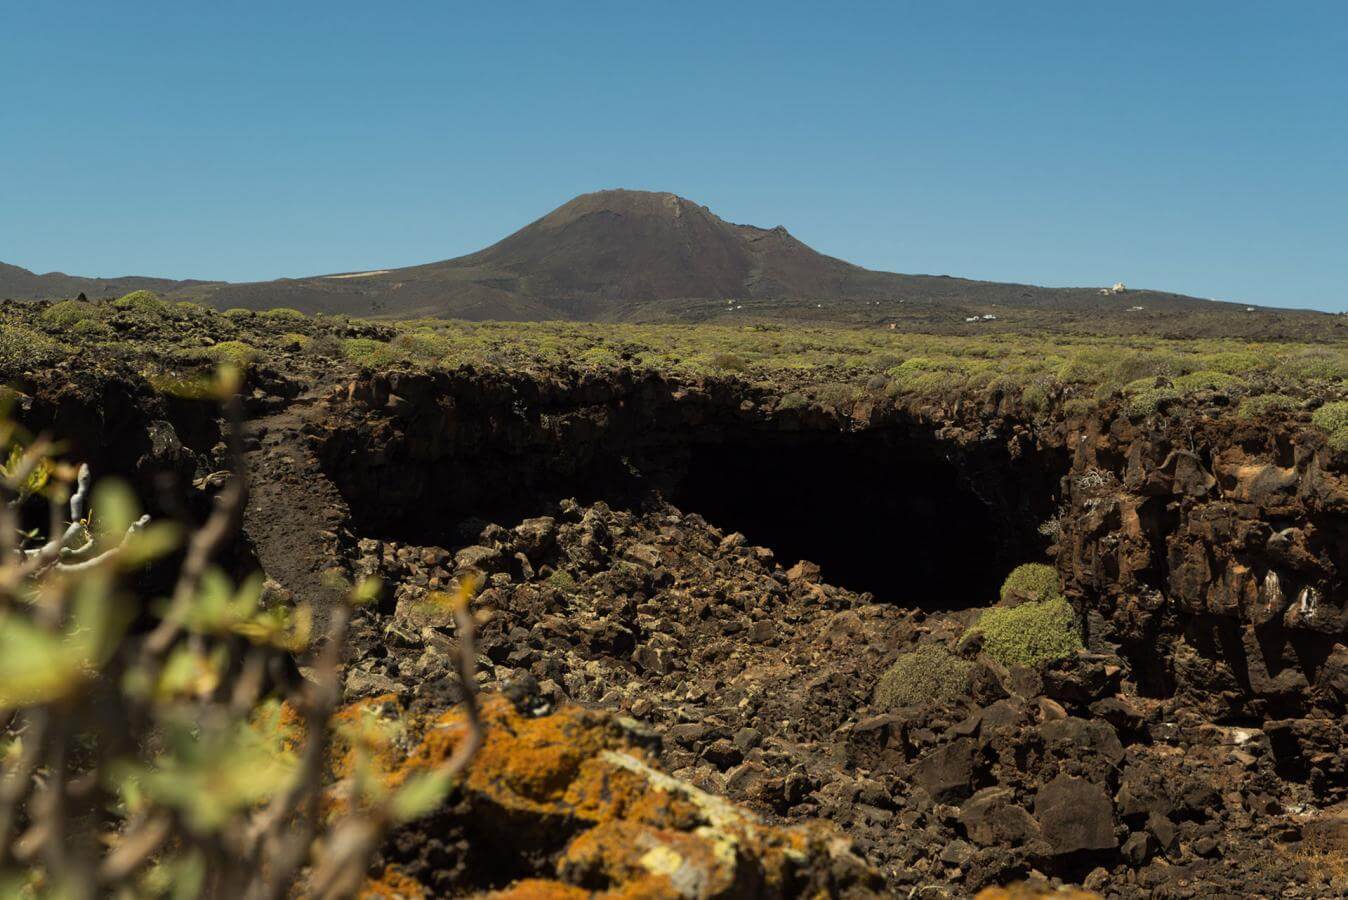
634 832
1035 892
541 889
392 885
531 760
355 741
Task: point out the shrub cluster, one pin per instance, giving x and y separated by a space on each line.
1032 581
1031 633
929 673
1333 418
23 348
1262 404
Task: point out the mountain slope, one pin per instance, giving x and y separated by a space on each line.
622 255
583 260
22 284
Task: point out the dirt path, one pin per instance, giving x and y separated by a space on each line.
295 515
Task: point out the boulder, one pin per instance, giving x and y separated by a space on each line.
992 817
947 773
1075 815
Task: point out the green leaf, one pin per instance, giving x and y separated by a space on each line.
114 509
421 794
36 666
154 541
366 591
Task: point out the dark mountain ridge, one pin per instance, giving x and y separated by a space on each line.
645 256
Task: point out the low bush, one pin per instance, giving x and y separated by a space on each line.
24 348
1206 381
191 308
236 352
140 301
836 395
1032 581
423 344
1338 442
369 353
324 346
284 314
1031 633
728 362
66 313
1236 362
929 673
1331 417
1079 406
1263 404
1316 364
1142 404
92 328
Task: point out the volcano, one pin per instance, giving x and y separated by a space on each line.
623 255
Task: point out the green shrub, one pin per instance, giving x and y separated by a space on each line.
1128 367
192 309
1032 581
293 340
285 314
1079 406
835 395
1031 633
1205 381
236 352
1148 402
1331 417
1234 362
1263 404
728 362
238 312
140 301
23 348
1338 442
792 400
1316 363
926 375
423 344
325 346
929 673
1035 396
92 328
369 353
66 313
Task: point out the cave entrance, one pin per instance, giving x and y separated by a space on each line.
896 510
877 510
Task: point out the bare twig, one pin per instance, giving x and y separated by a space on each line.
222 524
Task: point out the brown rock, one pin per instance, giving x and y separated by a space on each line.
1075 814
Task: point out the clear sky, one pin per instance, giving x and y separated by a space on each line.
1199 147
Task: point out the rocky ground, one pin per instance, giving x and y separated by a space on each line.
759 681
1193 748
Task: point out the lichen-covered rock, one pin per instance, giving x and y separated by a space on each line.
625 828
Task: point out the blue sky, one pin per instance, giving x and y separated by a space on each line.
1197 147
